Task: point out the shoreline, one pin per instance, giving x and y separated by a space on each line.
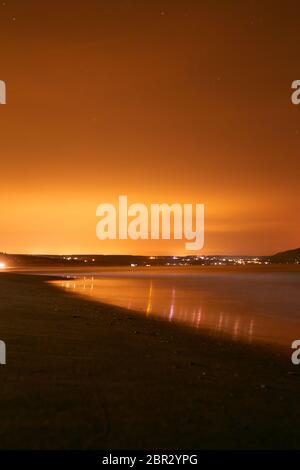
243 304
81 374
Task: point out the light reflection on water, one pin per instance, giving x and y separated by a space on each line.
248 312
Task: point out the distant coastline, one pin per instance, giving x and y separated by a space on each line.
22 260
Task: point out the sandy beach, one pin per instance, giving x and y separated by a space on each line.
84 375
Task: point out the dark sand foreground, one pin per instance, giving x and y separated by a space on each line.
84 375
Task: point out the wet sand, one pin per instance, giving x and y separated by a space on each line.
81 374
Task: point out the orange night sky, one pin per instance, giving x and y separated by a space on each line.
164 101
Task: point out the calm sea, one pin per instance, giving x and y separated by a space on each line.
249 305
